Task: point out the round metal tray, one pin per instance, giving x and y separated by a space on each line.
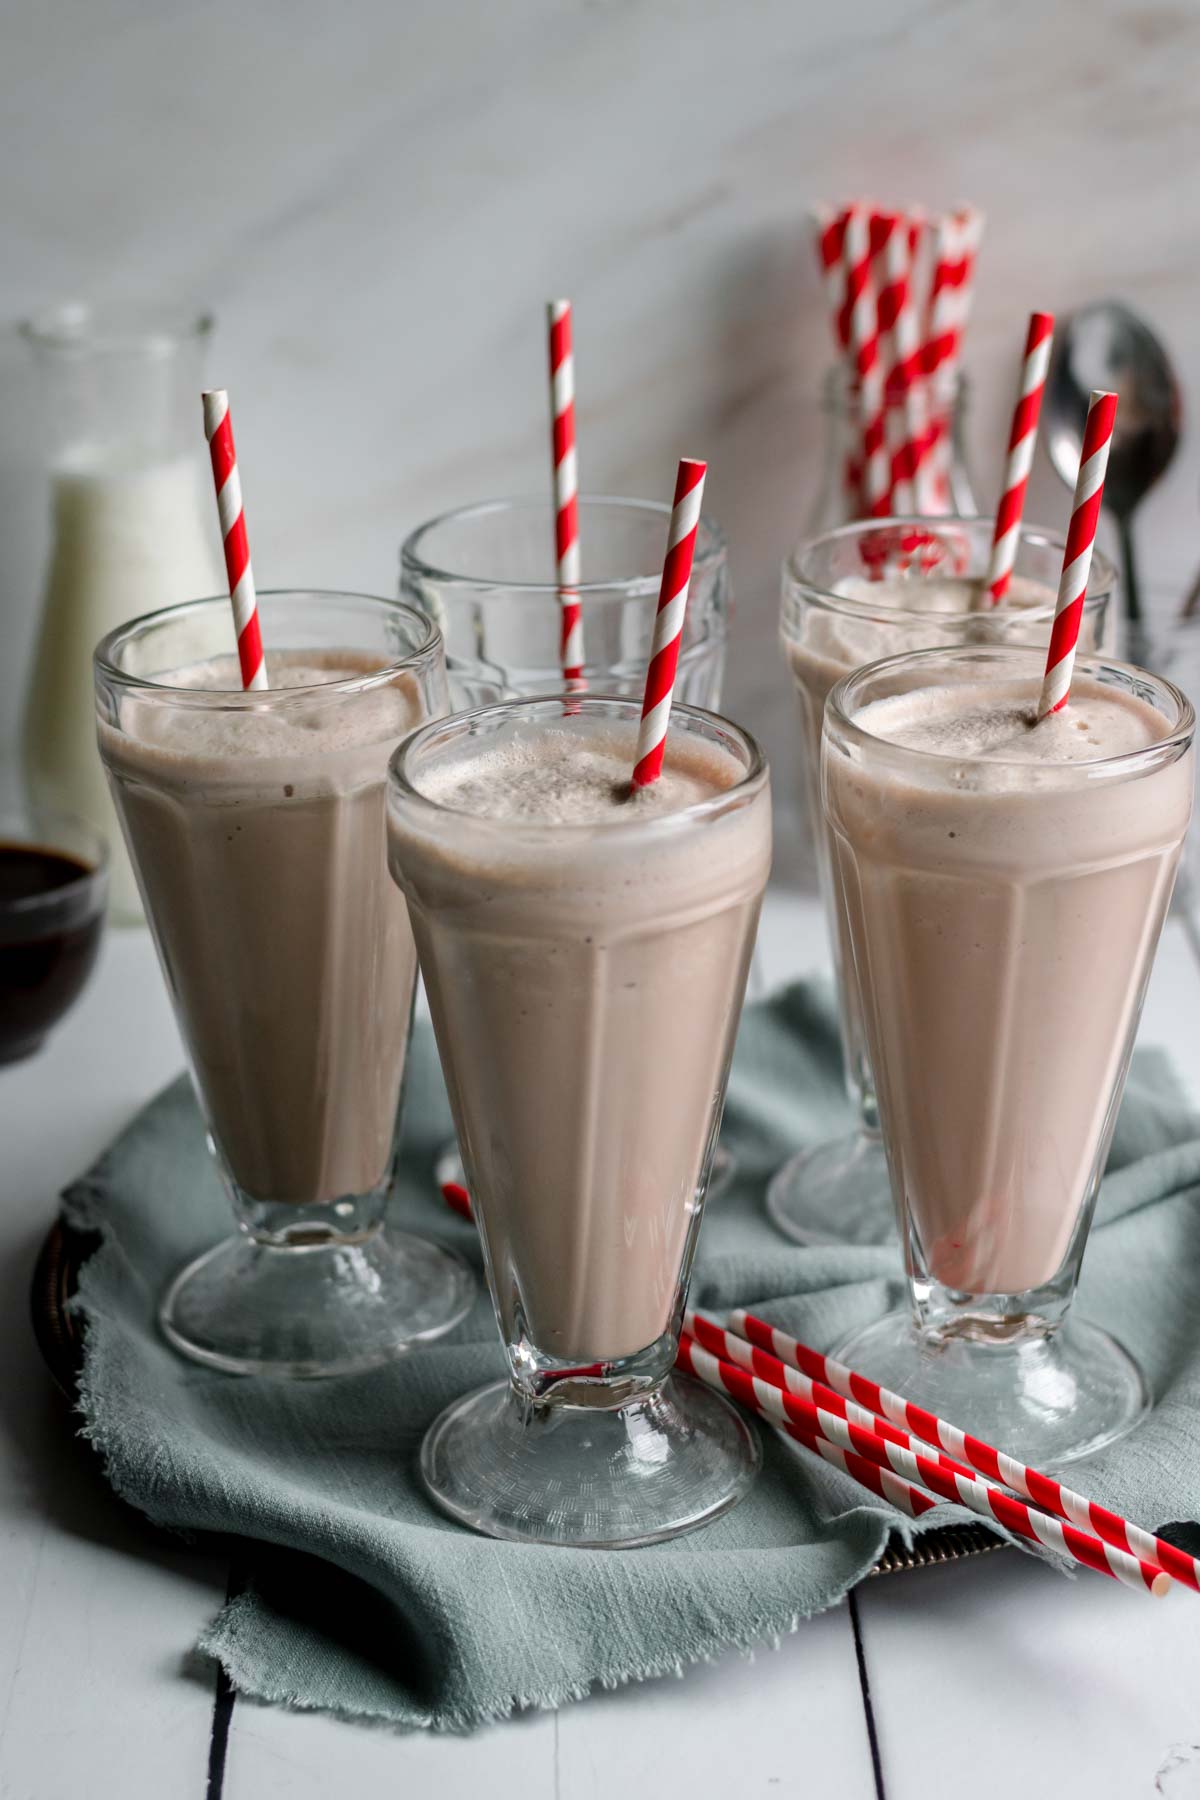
59 1332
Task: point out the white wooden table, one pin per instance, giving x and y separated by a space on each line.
990 1677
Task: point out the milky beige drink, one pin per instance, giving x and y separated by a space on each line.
585 954
1005 881
838 617
257 835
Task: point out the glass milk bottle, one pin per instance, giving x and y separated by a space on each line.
132 527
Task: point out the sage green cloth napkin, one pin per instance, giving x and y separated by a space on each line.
362 1598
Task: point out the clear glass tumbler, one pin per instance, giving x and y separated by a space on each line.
850 597
586 981
485 574
1003 914
255 823
132 525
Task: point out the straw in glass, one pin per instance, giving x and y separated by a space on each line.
1022 438
1077 557
566 490
668 622
218 429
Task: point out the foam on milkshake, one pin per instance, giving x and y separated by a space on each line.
553 775
999 723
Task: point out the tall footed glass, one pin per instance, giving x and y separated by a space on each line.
585 955
485 575
850 597
255 824
1004 886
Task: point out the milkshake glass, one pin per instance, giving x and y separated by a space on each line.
1004 885
255 824
851 597
485 574
585 955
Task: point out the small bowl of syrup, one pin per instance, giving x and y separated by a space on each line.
53 888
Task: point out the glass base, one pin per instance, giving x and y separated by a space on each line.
451 1177
310 1310
1047 1398
592 1476
835 1193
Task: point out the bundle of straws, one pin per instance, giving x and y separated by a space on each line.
899 288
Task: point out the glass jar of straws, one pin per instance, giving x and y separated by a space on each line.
944 469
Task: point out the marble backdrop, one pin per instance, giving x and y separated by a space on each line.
377 198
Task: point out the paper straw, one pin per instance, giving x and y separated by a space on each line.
1042 1490
668 622
1077 558
829 236
458 1199
566 490
866 363
1022 438
956 245
218 429
956 1485
901 1494
898 319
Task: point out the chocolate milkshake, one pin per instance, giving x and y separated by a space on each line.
1005 881
258 841
585 955
255 823
850 598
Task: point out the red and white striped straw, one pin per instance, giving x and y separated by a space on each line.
898 318
901 1494
1042 1490
954 1484
956 245
1022 438
866 361
1077 557
728 1347
829 236
218 429
566 489
668 621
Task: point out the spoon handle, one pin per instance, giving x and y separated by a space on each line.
1129 579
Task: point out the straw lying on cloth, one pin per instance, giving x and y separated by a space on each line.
898 289
360 1597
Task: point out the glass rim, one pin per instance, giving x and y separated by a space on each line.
144 327
711 548
1176 739
30 819
400 782
429 642
1103 569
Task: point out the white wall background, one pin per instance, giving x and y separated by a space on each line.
377 198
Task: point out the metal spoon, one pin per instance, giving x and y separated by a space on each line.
1107 346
